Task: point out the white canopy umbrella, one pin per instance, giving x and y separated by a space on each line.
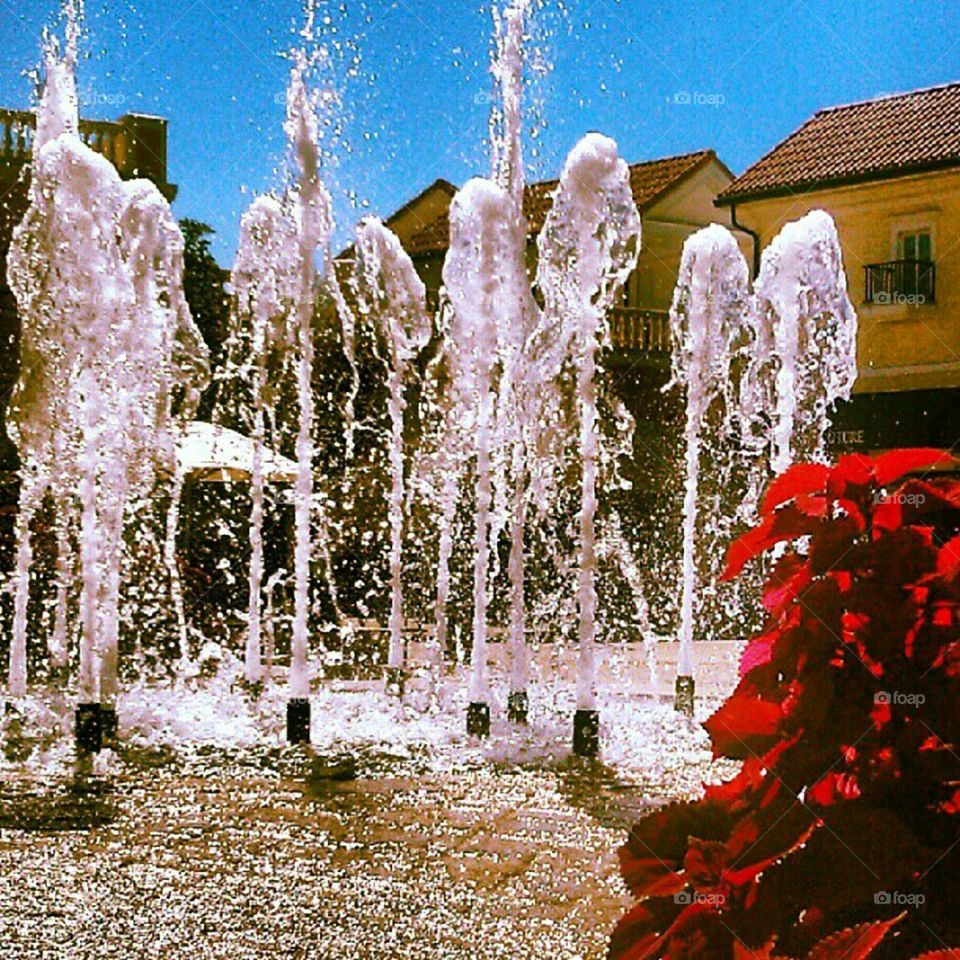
213 454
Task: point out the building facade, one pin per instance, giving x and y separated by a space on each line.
888 171
676 197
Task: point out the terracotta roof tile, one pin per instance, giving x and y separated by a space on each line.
649 180
875 139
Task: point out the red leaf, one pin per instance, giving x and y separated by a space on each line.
948 560
790 575
832 543
801 478
651 860
912 502
895 464
758 652
852 474
662 928
741 792
746 725
705 863
637 935
853 944
843 865
786 523
833 788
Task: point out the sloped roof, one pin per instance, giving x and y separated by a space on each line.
444 186
649 180
876 139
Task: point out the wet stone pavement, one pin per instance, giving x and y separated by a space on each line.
211 854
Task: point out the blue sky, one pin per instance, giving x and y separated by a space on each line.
415 79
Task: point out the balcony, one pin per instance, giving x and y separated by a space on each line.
901 282
17 129
136 145
646 332
632 330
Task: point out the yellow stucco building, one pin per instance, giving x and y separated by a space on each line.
888 171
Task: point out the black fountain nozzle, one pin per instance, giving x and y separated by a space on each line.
395 679
298 720
478 719
108 722
683 702
88 728
586 733
517 706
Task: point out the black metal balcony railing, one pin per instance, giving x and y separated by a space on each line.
901 281
644 331
18 127
632 329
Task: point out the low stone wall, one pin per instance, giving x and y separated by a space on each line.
621 666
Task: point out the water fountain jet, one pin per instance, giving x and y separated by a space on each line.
709 305
588 248
96 267
393 298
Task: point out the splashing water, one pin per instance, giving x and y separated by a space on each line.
709 306
96 267
519 414
589 246
315 220
110 367
265 290
480 255
275 280
805 354
390 295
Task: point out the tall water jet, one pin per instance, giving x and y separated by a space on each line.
36 294
167 360
805 354
96 267
709 304
316 227
518 415
588 248
275 280
392 297
265 288
479 257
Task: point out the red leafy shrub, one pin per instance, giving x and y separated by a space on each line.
840 836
